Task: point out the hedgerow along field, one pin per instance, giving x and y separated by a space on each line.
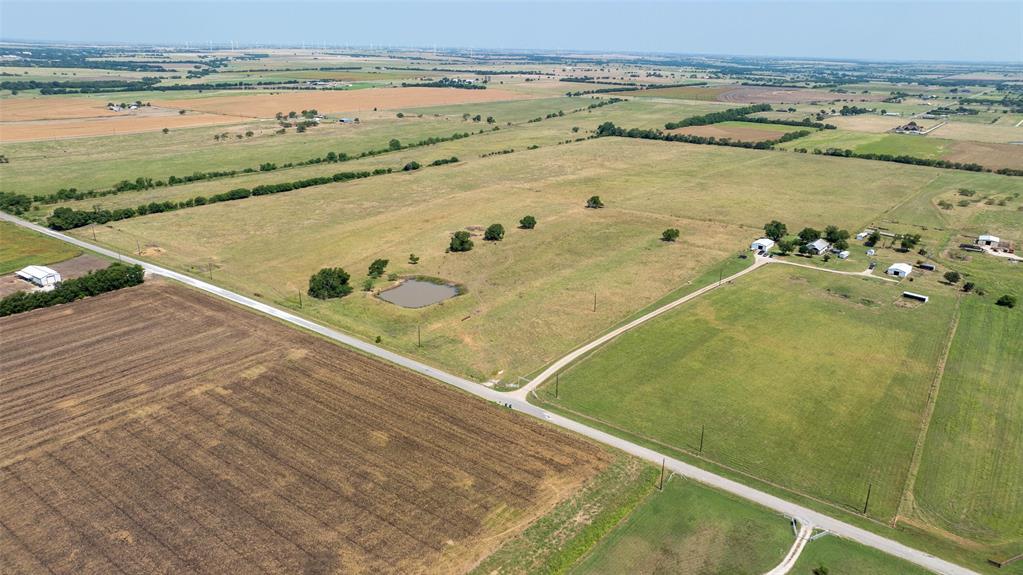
778 373
268 449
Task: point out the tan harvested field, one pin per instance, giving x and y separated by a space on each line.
989 155
767 95
177 433
994 133
746 134
52 108
876 124
108 126
331 101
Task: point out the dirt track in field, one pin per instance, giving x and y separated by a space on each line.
175 433
333 101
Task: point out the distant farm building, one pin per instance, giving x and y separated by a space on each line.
928 267
818 247
40 276
916 296
899 270
871 252
988 240
763 244
346 121
843 254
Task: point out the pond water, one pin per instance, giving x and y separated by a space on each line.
416 293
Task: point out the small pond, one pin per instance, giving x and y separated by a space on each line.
418 293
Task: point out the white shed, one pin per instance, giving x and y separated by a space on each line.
762 244
871 252
41 276
843 254
899 270
988 240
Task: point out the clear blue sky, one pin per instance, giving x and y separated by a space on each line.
935 30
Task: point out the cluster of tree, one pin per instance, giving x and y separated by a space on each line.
78 57
446 83
461 241
731 114
79 86
442 161
478 72
494 233
329 283
527 222
854 111
609 129
904 159
777 231
670 235
594 202
64 218
16 204
115 277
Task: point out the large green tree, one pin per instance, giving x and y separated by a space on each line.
775 230
329 283
461 241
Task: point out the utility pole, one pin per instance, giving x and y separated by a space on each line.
93 232
702 429
300 299
210 266
594 301
660 484
557 382
419 335
138 247
867 502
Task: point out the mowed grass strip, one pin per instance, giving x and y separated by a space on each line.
688 529
844 557
809 380
969 480
20 247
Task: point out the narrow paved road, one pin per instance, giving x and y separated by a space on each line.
802 514
802 538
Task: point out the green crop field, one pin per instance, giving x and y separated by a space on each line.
689 529
969 480
20 247
783 370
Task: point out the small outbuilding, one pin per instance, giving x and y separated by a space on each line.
916 296
844 254
899 270
871 252
818 247
928 267
763 244
864 234
988 240
40 276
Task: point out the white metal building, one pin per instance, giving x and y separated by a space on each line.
818 247
762 244
899 270
988 240
41 276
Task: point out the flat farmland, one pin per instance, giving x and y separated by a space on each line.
530 297
744 131
968 485
989 155
53 108
782 370
153 120
262 105
179 433
705 93
20 247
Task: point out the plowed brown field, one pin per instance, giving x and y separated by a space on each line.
158 430
332 101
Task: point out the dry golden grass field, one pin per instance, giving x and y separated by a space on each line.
330 101
176 433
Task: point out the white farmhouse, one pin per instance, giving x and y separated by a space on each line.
818 247
988 240
899 270
41 276
763 244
